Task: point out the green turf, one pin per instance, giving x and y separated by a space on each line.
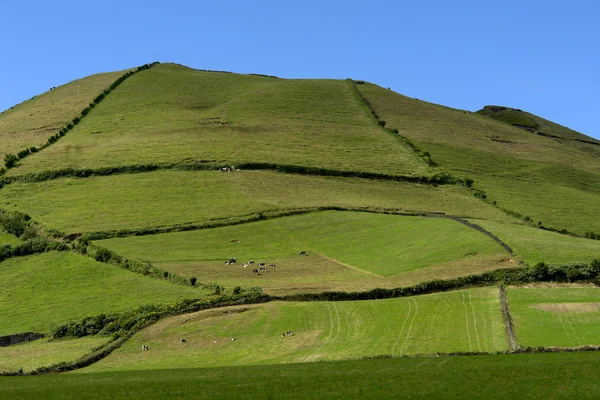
7 238
532 376
347 250
466 320
556 316
551 181
509 115
533 245
42 353
41 290
172 197
32 122
172 113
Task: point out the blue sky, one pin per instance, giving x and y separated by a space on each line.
540 56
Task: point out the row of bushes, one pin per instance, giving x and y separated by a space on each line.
10 160
32 246
541 272
425 156
120 323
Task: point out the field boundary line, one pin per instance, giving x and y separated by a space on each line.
474 321
343 264
467 318
509 326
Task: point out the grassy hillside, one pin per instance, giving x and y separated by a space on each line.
347 250
533 245
178 197
457 321
553 182
171 113
556 316
43 352
41 290
561 375
32 122
7 238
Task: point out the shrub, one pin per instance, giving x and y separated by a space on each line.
103 255
14 223
10 160
166 274
237 290
33 149
193 281
381 123
395 130
469 182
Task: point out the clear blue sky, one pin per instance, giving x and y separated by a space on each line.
541 56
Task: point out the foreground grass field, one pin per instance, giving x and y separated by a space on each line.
41 290
534 245
179 197
556 316
173 113
41 353
556 182
32 122
466 320
347 250
544 376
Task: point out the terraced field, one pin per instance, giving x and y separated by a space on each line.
172 113
32 122
468 320
180 197
347 250
43 352
41 290
534 245
556 316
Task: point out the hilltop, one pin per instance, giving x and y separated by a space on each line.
247 220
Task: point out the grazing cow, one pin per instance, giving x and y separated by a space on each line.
244 265
255 271
233 339
232 260
183 341
214 342
303 253
250 262
21 371
272 265
261 264
144 347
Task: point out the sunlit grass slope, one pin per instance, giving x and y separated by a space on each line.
176 197
533 245
347 250
466 320
32 122
7 238
171 113
41 290
44 352
556 183
556 316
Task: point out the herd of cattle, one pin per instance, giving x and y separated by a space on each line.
262 267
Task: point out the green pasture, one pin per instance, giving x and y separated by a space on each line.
32 122
347 250
556 316
7 238
534 245
43 352
551 181
535 376
465 320
179 197
171 113
41 290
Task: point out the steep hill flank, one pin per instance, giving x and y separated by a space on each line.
32 122
552 182
172 113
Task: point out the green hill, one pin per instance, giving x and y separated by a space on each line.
427 230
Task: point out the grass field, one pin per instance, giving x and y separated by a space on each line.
7 238
173 113
468 320
41 353
176 197
555 182
556 316
544 376
32 122
41 290
533 245
347 250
